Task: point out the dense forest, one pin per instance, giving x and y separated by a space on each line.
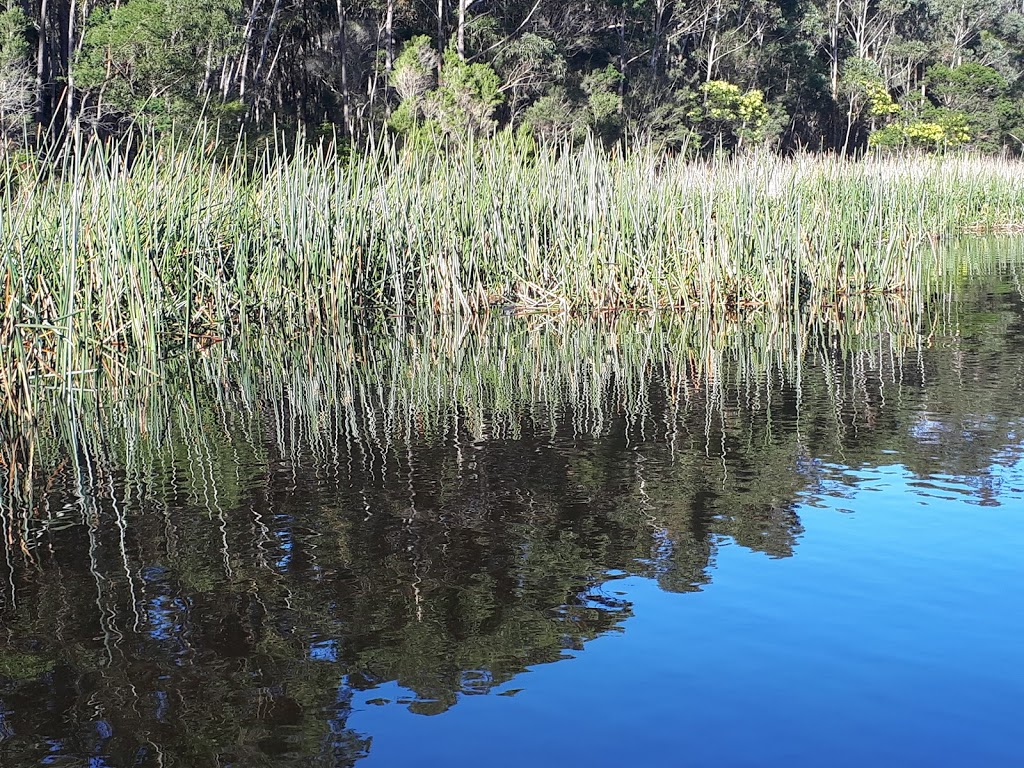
686 74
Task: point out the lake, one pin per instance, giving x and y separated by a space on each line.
627 540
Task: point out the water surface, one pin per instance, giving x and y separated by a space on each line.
536 541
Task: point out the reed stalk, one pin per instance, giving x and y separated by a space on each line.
189 240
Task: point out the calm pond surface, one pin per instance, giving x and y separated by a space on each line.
630 541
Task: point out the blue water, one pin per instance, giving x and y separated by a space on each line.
647 549
894 637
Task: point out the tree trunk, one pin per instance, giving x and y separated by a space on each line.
43 64
622 59
346 96
250 26
389 35
833 38
461 40
660 8
442 10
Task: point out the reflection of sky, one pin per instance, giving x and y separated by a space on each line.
928 430
162 706
284 540
161 612
324 650
892 638
164 612
55 750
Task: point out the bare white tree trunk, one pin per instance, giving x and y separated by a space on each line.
389 35
461 39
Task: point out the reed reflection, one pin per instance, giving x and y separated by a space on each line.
205 569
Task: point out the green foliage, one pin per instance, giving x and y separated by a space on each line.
964 84
414 76
459 102
555 117
466 98
529 66
415 70
974 91
726 116
828 75
593 110
17 89
14 26
1011 121
404 118
604 102
969 104
667 125
140 59
865 91
946 129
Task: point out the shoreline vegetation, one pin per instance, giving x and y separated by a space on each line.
197 236
113 261
366 397
401 362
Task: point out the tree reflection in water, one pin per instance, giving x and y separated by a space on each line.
210 566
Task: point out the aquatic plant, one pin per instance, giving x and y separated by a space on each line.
115 258
188 241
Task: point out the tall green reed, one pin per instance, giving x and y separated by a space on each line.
192 239
113 258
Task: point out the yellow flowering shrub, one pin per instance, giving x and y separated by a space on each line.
880 102
946 130
725 102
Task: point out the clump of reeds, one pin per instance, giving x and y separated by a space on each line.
122 256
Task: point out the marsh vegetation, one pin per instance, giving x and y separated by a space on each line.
196 239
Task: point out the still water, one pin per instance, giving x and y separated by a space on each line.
630 541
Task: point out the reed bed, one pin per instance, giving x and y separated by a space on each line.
113 259
102 254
